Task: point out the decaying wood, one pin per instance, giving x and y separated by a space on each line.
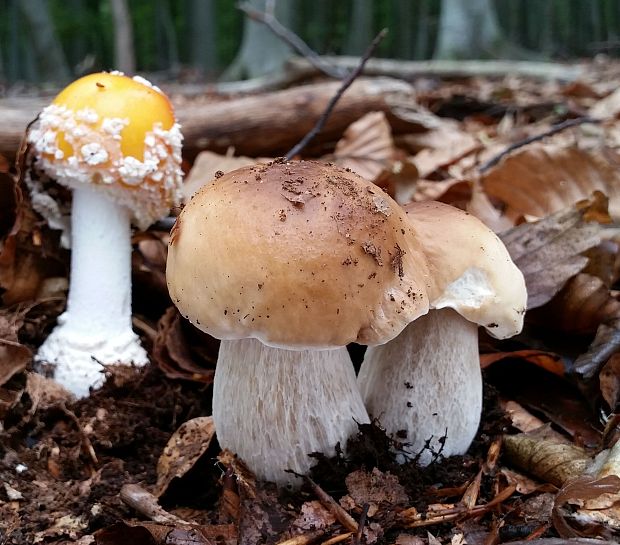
445 68
264 124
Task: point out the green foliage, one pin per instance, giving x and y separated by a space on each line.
84 28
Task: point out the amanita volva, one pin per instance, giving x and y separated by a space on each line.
114 141
287 263
426 383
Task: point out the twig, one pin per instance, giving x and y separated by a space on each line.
303 539
334 100
360 528
269 20
553 130
333 507
86 444
146 504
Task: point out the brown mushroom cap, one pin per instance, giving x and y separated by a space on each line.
470 268
298 255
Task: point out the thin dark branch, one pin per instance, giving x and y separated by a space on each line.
357 538
269 20
334 100
553 130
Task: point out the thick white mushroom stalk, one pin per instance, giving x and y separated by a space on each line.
425 386
281 405
96 326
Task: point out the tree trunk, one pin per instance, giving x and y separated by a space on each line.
360 32
405 29
167 48
51 60
468 30
261 52
124 56
202 29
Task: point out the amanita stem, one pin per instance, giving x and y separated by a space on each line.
97 321
273 407
426 383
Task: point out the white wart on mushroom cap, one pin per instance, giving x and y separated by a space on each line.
287 263
426 384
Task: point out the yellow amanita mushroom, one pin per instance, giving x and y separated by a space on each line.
114 141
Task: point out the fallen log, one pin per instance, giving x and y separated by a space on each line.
265 124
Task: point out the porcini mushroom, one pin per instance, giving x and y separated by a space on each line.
309 257
426 384
114 141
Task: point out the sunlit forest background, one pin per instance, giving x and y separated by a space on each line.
196 40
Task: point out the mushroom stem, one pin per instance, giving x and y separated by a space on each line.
273 407
96 326
427 383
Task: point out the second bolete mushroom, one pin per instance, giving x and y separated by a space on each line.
288 263
426 384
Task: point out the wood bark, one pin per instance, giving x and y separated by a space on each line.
264 125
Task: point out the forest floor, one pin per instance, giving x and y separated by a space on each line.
138 462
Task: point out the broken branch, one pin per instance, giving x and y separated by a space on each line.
334 100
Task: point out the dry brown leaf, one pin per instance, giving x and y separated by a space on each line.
184 448
606 107
609 379
366 147
441 146
606 343
550 461
205 167
541 179
45 392
182 351
481 206
548 252
522 419
14 356
314 516
547 360
400 181
375 488
524 484
10 204
580 307
579 491
151 533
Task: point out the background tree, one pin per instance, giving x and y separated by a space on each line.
51 62
468 30
261 52
124 56
203 39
